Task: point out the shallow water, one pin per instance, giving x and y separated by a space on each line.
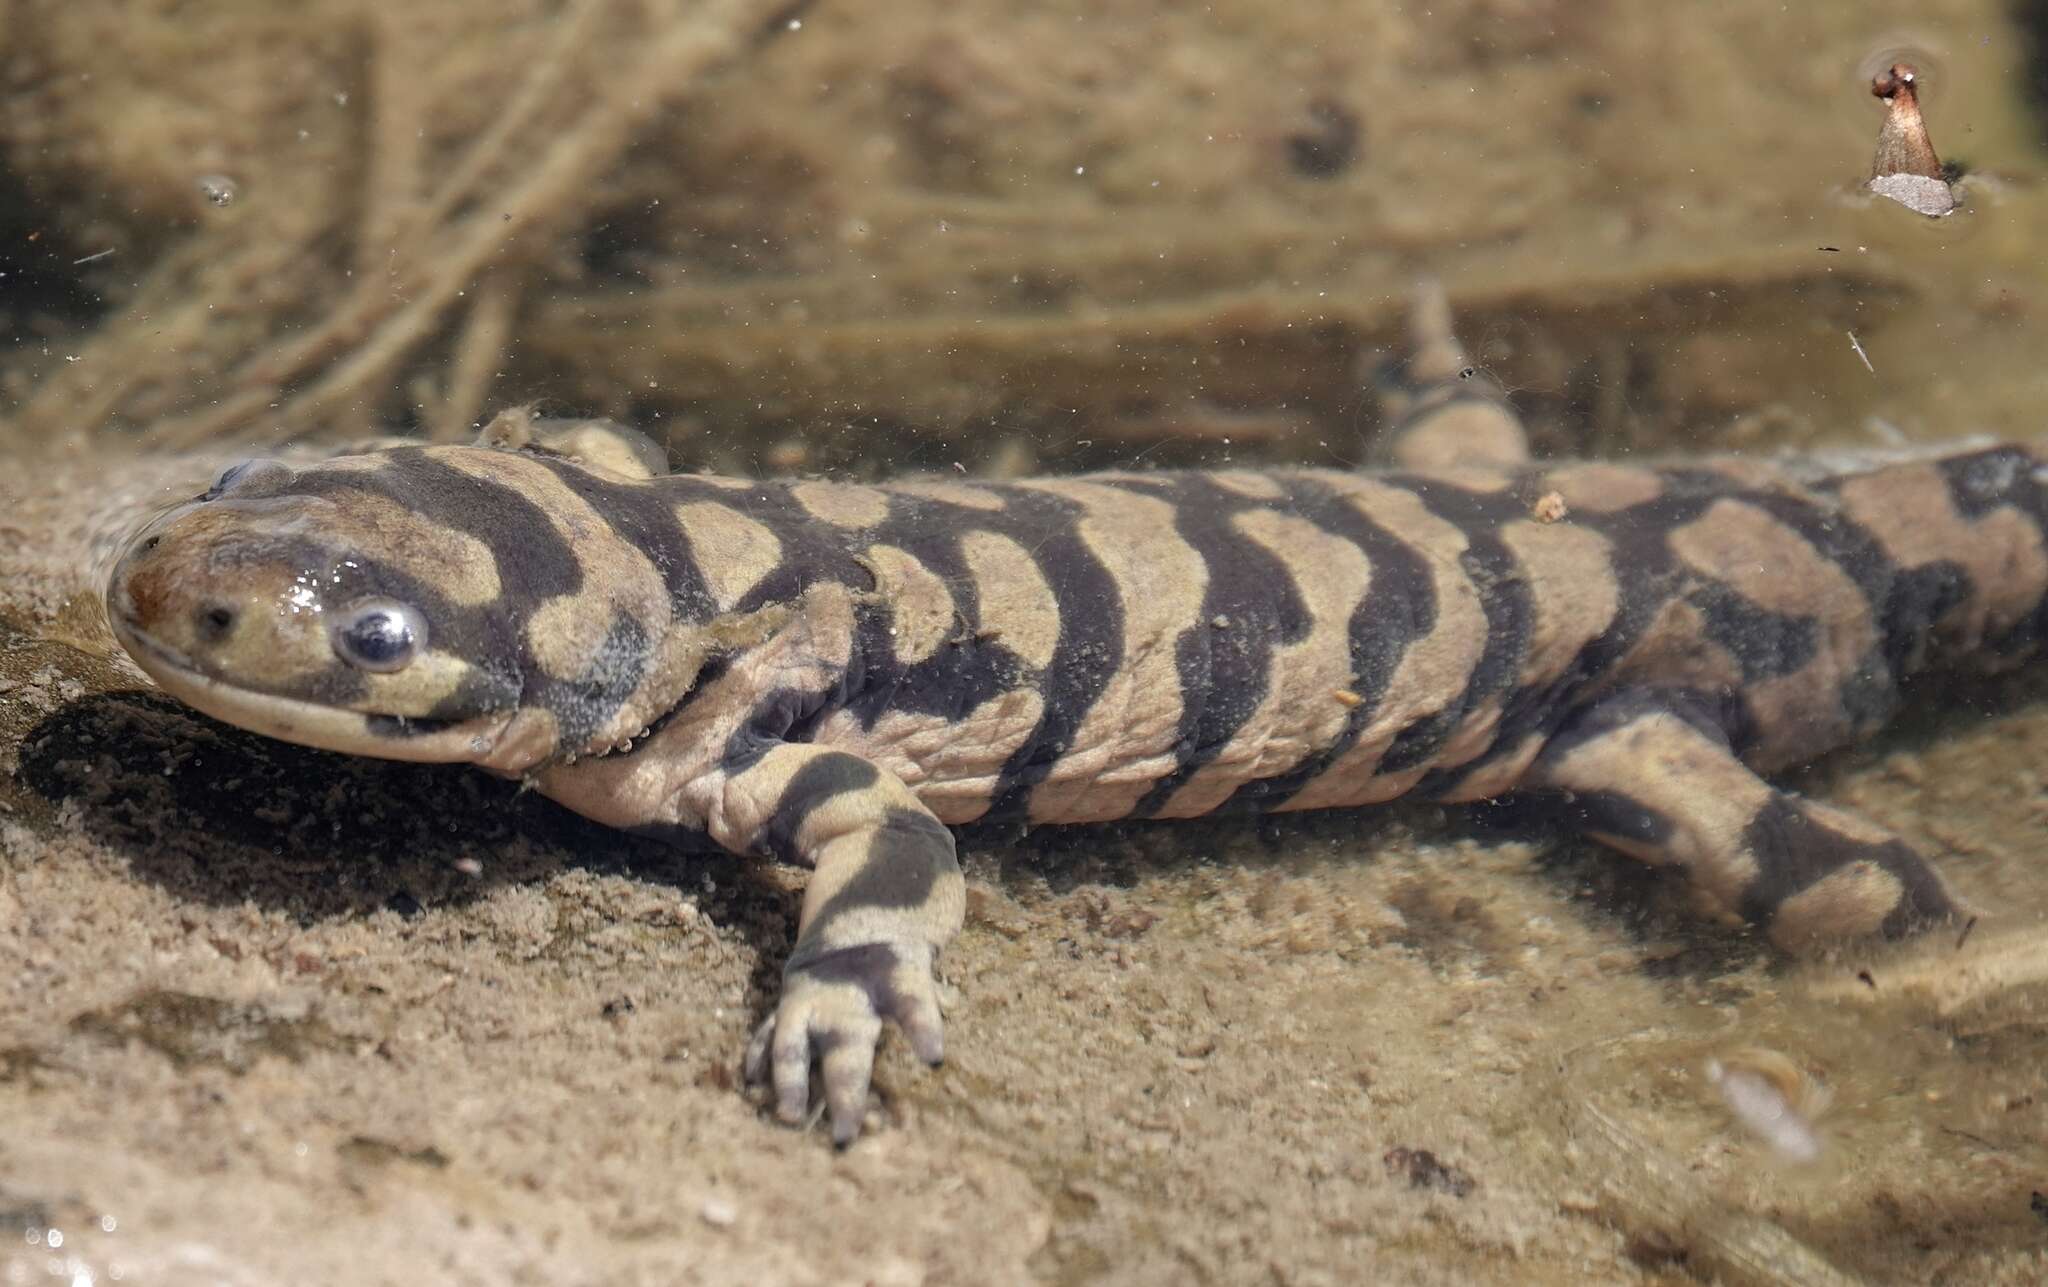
278 1016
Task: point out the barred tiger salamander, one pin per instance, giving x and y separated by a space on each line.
835 674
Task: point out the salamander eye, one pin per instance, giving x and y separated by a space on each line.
380 635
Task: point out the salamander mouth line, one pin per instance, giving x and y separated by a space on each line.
307 723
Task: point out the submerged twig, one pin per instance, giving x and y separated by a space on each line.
197 354
478 353
1857 344
2007 968
398 237
386 318
1644 1187
169 316
393 143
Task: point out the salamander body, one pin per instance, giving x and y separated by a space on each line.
835 674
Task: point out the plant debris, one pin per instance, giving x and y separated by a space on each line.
1424 1170
1906 170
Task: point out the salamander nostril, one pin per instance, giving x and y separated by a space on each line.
214 622
151 543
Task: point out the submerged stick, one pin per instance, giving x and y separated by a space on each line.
343 360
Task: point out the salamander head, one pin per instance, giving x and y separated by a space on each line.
324 606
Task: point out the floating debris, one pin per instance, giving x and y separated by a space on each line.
218 189
1774 1098
1906 170
1329 146
1857 344
1424 1170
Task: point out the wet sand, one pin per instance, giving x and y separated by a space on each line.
286 1016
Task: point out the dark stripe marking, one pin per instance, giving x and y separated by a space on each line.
534 562
1399 608
587 702
643 515
831 774
1793 850
1225 670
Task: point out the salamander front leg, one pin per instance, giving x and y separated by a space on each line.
1652 775
885 895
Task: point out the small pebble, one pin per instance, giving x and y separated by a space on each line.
719 1213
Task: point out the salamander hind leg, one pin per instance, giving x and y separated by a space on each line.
885 895
1652 774
1442 412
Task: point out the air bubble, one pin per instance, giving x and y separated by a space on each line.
218 189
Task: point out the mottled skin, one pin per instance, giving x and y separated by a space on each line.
834 674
